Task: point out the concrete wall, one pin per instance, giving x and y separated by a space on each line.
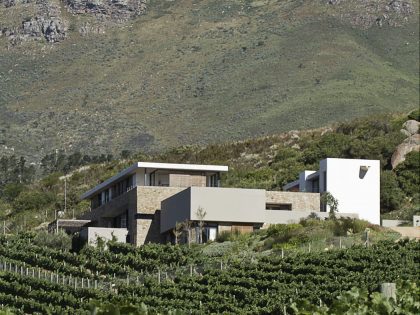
300 201
235 205
416 220
393 223
356 191
91 234
220 205
228 204
175 209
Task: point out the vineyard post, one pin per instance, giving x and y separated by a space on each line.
221 265
128 279
159 275
39 272
88 283
284 310
82 282
340 242
191 270
389 290
309 248
96 283
282 253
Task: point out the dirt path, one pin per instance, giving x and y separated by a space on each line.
408 231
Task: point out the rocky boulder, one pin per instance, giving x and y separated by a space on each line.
115 9
410 144
53 29
410 127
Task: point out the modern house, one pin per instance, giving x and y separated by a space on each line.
354 183
147 200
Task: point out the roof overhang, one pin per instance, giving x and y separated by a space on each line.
313 176
291 185
156 166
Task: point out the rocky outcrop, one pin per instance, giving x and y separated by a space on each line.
120 10
412 143
53 29
12 3
45 23
367 13
410 127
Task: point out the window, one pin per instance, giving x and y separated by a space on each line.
278 206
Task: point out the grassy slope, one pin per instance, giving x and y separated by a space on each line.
203 71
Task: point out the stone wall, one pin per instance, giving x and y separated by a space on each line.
300 201
186 180
147 217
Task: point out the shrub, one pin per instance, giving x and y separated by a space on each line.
415 114
391 194
408 174
60 241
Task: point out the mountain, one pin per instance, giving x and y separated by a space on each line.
101 76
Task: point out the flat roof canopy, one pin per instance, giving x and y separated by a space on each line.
156 166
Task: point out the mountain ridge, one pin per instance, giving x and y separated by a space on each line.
197 72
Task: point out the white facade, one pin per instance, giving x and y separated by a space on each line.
354 183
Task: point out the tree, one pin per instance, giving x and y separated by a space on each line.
187 224
200 213
327 199
177 231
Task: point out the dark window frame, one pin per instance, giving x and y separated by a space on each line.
278 206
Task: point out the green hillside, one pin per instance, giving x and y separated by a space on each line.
197 72
265 162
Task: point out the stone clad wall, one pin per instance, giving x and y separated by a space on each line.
149 200
150 197
300 201
186 180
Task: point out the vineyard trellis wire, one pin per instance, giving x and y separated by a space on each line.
163 273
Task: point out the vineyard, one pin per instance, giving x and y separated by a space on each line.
40 279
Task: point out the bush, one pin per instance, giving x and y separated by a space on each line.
415 114
344 226
391 194
227 236
408 174
60 241
32 200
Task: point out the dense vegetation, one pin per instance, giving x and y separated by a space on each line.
263 284
267 162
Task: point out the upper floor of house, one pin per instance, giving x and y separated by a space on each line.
155 174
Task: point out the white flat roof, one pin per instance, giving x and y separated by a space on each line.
157 166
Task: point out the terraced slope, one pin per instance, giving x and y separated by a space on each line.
185 71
